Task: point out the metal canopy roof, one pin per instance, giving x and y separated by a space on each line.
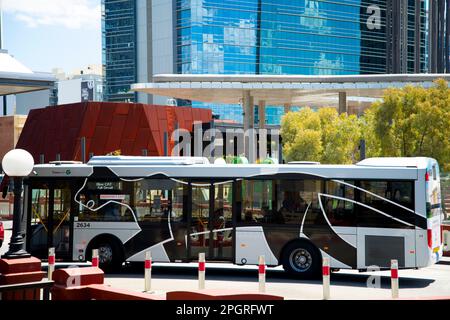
16 78
314 91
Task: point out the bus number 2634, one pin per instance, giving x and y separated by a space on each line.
83 225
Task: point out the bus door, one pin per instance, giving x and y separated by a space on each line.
156 201
211 229
49 216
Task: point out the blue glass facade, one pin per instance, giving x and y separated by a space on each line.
119 49
311 37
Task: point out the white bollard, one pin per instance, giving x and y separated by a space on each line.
95 261
446 236
51 262
262 274
201 271
394 279
326 278
148 271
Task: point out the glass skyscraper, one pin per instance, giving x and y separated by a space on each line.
119 48
308 37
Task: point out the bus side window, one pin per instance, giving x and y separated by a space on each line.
340 208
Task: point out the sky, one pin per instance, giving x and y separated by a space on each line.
46 34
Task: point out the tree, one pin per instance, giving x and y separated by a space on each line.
410 122
322 136
340 136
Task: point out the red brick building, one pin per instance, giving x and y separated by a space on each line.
106 127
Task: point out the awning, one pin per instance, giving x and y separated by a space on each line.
15 78
314 91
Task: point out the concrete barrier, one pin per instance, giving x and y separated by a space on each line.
214 294
18 271
104 292
88 284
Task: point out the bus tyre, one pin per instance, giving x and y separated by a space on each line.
302 259
109 254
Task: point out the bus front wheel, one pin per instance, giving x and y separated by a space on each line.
109 254
302 259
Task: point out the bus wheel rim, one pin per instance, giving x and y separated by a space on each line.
300 260
105 253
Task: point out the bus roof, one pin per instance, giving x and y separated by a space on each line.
198 167
416 162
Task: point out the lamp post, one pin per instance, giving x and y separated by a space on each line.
17 164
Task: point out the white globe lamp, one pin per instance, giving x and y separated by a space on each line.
17 164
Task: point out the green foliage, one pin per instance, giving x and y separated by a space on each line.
321 136
412 122
408 122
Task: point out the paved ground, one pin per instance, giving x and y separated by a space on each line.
431 281
428 282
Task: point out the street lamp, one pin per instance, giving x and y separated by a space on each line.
17 164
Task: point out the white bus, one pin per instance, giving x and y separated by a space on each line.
359 215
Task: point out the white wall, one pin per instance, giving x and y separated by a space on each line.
144 50
162 40
32 100
69 91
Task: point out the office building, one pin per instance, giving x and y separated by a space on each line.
302 37
119 48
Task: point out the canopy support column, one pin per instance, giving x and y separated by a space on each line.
342 102
249 124
262 114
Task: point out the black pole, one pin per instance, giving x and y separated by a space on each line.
166 141
17 244
213 139
5 106
83 149
362 149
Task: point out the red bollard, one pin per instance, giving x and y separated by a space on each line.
262 274
95 261
148 271
326 278
51 262
201 271
394 279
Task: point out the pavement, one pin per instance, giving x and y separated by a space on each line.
433 281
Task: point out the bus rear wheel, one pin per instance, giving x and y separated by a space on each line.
109 254
302 259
